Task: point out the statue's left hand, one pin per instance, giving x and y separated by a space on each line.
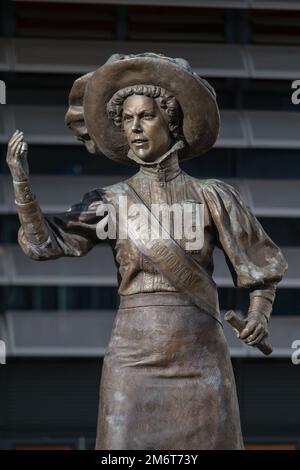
16 157
255 330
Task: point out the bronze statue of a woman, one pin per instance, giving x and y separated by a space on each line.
167 380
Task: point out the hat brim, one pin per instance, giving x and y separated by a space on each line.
201 119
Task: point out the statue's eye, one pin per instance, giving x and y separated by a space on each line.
127 118
148 116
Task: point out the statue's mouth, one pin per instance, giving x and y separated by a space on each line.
139 141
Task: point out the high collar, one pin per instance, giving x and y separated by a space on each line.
164 168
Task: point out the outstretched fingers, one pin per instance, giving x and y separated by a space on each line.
18 150
18 140
16 135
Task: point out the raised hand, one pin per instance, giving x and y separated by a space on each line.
16 157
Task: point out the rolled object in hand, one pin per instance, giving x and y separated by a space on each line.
237 322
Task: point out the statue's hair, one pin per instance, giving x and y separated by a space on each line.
167 102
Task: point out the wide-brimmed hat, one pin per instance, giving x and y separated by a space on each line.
74 113
74 117
201 120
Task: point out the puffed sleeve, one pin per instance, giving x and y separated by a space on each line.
71 233
253 258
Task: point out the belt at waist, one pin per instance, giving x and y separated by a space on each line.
153 298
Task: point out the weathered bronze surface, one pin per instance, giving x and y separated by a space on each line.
167 380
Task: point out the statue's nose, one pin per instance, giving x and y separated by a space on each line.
136 125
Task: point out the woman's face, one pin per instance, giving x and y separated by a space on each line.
146 128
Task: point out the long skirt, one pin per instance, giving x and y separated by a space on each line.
167 380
